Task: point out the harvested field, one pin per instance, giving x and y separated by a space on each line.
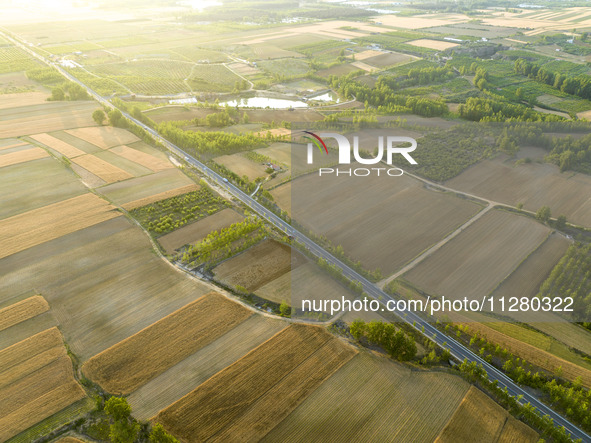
258 265
13 158
529 275
102 169
31 185
382 221
432 44
160 196
479 415
367 54
52 116
22 310
289 366
104 137
129 166
149 161
497 243
103 283
239 164
533 184
277 132
306 281
383 401
125 367
32 228
58 145
338 70
70 440
198 230
37 380
422 21
23 99
363 66
13 145
282 196
185 376
86 177
139 191
388 59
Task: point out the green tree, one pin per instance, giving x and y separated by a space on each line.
116 118
98 116
561 221
285 309
58 94
159 435
118 408
543 214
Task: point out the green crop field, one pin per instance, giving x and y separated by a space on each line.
14 59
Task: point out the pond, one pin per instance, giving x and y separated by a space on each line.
265 102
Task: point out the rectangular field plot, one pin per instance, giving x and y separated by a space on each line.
123 368
308 280
36 381
532 184
22 310
104 170
479 415
382 221
258 265
24 155
185 376
104 137
497 244
31 185
242 166
103 283
66 149
269 382
31 228
383 401
529 275
198 230
155 164
141 191
52 116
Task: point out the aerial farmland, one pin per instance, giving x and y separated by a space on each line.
174 188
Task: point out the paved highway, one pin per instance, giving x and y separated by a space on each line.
458 350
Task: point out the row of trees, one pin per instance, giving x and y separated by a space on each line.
395 342
200 143
68 91
218 245
477 374
571 277
572 399
579 85
385 98
496 110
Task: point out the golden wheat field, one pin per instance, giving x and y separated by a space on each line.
58 145
36 381
104 137
22 310
129 364
104 170
270 382
34 227
479 418
141 158
13 158
372 398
